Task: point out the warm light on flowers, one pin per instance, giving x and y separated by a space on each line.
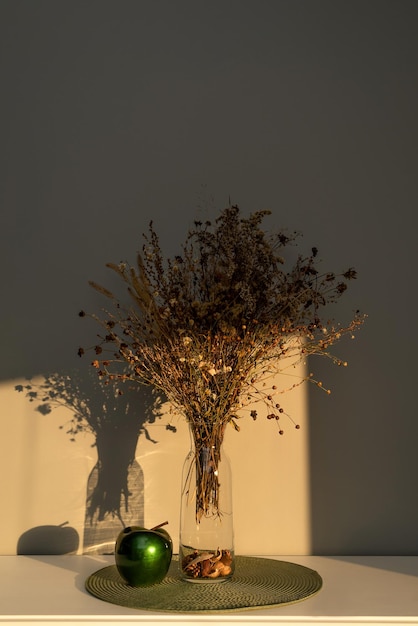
211 327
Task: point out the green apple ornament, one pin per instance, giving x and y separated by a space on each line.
143 555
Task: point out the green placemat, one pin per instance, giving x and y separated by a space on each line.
256 583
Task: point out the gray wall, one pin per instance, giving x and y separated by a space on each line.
117 112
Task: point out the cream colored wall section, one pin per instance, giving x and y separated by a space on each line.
44 475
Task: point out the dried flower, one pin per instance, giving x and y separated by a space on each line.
210 326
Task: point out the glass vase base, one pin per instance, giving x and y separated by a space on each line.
206 581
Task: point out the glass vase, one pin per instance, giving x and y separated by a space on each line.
206 543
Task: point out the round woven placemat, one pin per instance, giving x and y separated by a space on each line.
256 583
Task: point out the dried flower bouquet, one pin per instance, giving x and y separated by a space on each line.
208 327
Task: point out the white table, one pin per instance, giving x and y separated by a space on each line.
356 590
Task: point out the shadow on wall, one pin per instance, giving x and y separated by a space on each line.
117 414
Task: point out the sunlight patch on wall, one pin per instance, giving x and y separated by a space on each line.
45 475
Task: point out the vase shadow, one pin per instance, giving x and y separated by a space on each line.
101 531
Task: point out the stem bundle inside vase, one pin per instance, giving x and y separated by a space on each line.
207 455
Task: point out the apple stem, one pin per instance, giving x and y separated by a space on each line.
159 525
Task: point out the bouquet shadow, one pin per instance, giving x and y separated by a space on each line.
117 416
